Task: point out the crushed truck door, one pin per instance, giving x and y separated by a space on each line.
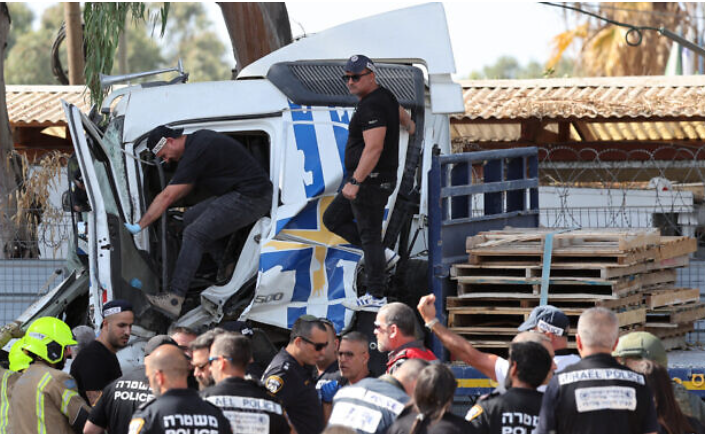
116 269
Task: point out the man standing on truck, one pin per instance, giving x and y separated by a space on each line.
371 160
241 189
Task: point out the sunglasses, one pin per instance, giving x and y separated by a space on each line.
214 358
317 346
355 77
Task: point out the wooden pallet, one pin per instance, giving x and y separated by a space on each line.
588 271
578 301
671 297
667 316
674 247
566 287
469 316
623 239
585 254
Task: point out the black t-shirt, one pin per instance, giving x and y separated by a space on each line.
295 388
248 406
220 164
377 109
179 411
448 424
119 401
597 395
516 410
94 368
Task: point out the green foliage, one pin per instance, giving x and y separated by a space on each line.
22 18
189 39
507 67
29 62
103 24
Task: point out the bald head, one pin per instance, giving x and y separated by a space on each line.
598 330
408 373
167 368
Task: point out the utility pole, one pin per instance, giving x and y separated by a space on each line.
74 42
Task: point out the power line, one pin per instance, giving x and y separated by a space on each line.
635 31
652 12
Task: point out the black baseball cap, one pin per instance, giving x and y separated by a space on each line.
358 63
116 306
159 133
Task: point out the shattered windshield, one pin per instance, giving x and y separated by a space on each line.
112 141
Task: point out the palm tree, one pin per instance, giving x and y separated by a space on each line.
604 50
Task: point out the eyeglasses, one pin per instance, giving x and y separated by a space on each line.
318 346
214 358
346 354
355 77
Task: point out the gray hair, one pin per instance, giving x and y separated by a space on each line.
236 347
356 337
409 371
205 340
598 328
402 316
531 336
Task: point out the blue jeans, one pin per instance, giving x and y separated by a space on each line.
207 223
359 222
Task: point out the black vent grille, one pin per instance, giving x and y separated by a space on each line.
310 83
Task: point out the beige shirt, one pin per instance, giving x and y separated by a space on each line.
44 401
7 380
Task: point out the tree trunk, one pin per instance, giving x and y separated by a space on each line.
74 42
256 29
9 172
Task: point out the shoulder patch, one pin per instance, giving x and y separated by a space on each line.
136 426
474 412
70 384
273 383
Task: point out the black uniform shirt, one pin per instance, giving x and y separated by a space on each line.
179 411
448 424
380 108
94 368
119 401
516 410
295 388
248 406
597 395
220 164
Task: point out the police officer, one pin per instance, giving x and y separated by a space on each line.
597 394
636 346
45 399
372 404
19 361
245 402
289 376
516 410
176 408
371 160
122 397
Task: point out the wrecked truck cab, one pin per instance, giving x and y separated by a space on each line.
291 112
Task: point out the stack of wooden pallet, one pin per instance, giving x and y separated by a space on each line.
632 272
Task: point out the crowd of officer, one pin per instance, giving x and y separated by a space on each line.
320 382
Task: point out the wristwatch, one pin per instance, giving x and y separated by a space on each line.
353 181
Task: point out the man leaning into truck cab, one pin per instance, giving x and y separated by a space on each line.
241 189
371 160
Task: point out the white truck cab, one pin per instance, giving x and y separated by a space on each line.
291 110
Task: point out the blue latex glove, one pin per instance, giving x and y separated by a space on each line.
134 229
328 391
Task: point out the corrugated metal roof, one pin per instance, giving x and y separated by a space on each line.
585 98
41 105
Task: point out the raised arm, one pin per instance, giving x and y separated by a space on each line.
456 344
